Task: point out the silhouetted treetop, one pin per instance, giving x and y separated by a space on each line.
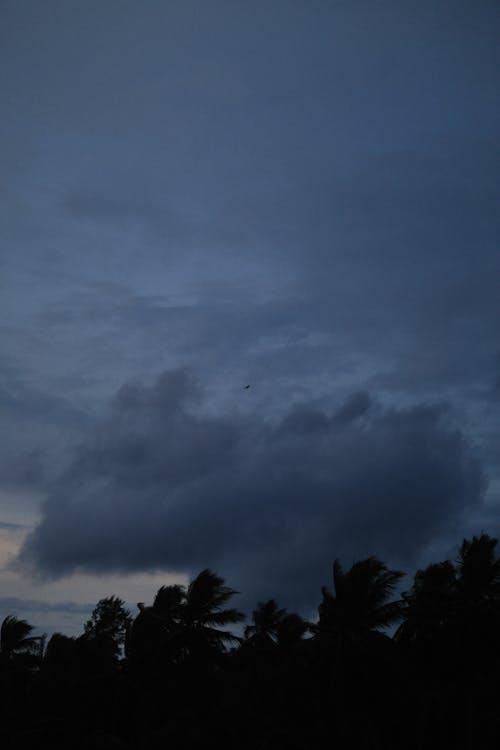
15 637
108 624
185 621
169 601
272 625
433 684
206 596
359 603
479 569
430 605
266 619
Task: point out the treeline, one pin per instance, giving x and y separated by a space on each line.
178 677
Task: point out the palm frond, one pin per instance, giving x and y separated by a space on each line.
224 617
169 600
15 635
360 599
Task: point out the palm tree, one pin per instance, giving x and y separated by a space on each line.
478 605
15 637
168 603
352 655
291 630
444 597
359 605
266 619
479 570
154 635
204 613
184 622
430 606
274 626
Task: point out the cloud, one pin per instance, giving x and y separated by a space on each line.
35 431
15 604
266 198
47 617
6 526
163 485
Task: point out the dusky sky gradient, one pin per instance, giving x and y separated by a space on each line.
298 196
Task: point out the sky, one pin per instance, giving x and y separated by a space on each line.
195 197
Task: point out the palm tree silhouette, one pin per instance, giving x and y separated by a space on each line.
203 613
352 654
430 605
479 570
359 605
15 637
478 605
266 620
291 630
185 622
272 626
168 603
155 635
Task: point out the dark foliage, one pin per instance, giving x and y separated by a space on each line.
178 677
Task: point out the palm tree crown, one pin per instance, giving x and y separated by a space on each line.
360 604
430 604
15 637
204 611
187 620
479 570
266 621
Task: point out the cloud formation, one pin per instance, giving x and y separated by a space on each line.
258 193
161 484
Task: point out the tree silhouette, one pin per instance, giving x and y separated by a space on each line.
183 622
266 620
434 683
59 661
15 637
168 603
430 605
359 604
479 570
204 613
272 626
478 607
354 658
291 630
156 633
105 631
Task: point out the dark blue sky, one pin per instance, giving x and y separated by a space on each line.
197 196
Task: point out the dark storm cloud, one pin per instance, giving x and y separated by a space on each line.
163 485
298 196
355 406
35 432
